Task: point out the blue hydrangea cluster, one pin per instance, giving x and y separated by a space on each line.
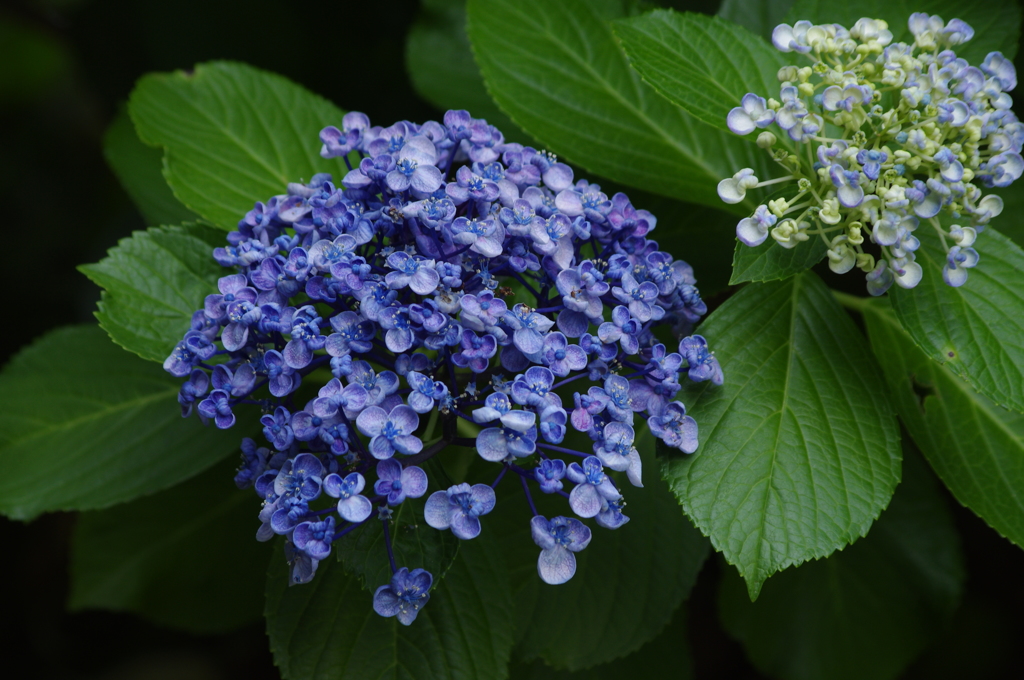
879 136
455 275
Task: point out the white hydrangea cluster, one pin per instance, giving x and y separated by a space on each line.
878 137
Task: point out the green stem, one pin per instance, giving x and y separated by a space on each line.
858 304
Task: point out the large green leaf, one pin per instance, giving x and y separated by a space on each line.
770 261
556 69
85 425
1011 222
976 447
327 629
799 449
186 557
232 135
996 24
703 64
757 16
976 330
441 67
154 281
865 612
632 578
666 656
138 167
413 542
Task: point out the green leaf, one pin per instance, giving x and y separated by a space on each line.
138 167
641 571
757 16
441 67
186 557
153 282
865 612
976 447
799 451
327 629
703 64
85 425
413 541
666 656
770 261
976 330
232 135
556 69
996 24
1011 221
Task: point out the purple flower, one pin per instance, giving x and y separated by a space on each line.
958 261
549 474
611 516
616 451
498 443
306 338
424 391
534 388
752 113
623 328
528 327
218 407
675 428
592 484
232 288
415 168
417 273
277 428
315 422
703 365
377 386
847 184
558 539
482 236
470 186
560 356
283 378
397 483
193 349
351 505
459 508
314 538
624 397
476 351
340 142
238 383
407 593
193 388
353 334
390 432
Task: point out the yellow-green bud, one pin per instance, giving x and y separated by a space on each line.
778 206
787 73
766 140
853 234
865 262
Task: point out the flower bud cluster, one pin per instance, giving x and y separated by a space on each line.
455 275
878 137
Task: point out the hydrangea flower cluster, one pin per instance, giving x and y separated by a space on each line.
879 136
402 293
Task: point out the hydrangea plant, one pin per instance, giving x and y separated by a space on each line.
482 417
395 282
884 135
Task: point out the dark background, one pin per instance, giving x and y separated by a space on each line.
65 68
